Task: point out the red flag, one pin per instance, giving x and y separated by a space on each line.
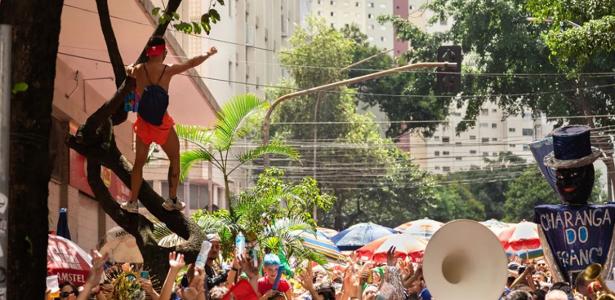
242 290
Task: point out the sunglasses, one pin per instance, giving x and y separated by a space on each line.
66 294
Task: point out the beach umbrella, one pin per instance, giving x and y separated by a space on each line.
320 243
496 226
406 245
121 247
327 231
67 260
359 235
520 237
424 228
62 228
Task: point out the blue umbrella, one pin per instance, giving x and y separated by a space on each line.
359 235
62 229
320 243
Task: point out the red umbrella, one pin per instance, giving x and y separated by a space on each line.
406 245
67 260
522 236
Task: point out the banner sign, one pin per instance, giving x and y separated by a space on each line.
577 235
540 149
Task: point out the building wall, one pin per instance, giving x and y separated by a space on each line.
446 151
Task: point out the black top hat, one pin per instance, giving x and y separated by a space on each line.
571 148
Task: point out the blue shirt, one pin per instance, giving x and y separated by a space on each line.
425 295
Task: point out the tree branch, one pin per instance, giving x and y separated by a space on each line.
112 48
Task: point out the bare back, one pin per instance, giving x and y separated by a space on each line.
159 74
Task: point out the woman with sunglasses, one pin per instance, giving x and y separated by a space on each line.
68 291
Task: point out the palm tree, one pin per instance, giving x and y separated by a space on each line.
214 145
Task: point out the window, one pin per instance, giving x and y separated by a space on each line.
284 25
435 137
436 153
445 153
485 153
484 112
332 25
382 39
472 137
371 27
494 154
332 2
485 140
494 110
318 12
446 169
369 16
443 22
458 158
526 147
456 114
446 139
494 125
371 4
437 167
512 129
356 4
528 132
318 1
484 125
472 151
458 143
332 14
230 72
512 145
494 139
410 7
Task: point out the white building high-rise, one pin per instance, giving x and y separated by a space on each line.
446 151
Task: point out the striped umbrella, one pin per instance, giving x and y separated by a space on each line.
424 228
406 245
320 243
359 235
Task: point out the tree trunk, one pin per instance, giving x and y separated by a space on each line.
95 140
36 29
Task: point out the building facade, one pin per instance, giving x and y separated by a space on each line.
447 151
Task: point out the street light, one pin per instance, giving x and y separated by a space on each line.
278 101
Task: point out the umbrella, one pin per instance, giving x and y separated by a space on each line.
520 237
327 231
359 235
496 226
62 228
406 245
320 243
424 228
121 247
67 260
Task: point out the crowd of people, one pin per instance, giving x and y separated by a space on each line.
248 278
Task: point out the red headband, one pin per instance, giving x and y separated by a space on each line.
155 50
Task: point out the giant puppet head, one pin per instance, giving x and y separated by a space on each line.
572 159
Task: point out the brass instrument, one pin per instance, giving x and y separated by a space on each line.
590 284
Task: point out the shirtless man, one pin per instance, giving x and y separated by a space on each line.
154 125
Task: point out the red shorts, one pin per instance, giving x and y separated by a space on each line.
149 133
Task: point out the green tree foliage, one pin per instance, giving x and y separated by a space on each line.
215 145
456 201
370 177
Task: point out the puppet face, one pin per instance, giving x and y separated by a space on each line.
575 185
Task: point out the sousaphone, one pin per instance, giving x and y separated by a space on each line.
465 260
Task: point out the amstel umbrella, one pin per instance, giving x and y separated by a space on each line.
424 228
406 245
67 260
320 243
359 235
121 247
496 226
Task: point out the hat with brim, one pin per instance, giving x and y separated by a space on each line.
572 148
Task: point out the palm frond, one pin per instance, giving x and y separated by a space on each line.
189 158
160 230
232 116
272 148
198 135
171 240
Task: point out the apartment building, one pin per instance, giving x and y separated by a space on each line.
495 132
365 13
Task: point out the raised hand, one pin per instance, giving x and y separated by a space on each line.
176 261
306 278
391 256
212 51
98 261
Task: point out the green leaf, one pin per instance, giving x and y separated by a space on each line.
271 148
221 2
206 27
175 16
155 11
233 116
215 16
189 158
196 28
19 87
195 134
205 18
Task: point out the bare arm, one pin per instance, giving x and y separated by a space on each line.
191 63
95 275
176 262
